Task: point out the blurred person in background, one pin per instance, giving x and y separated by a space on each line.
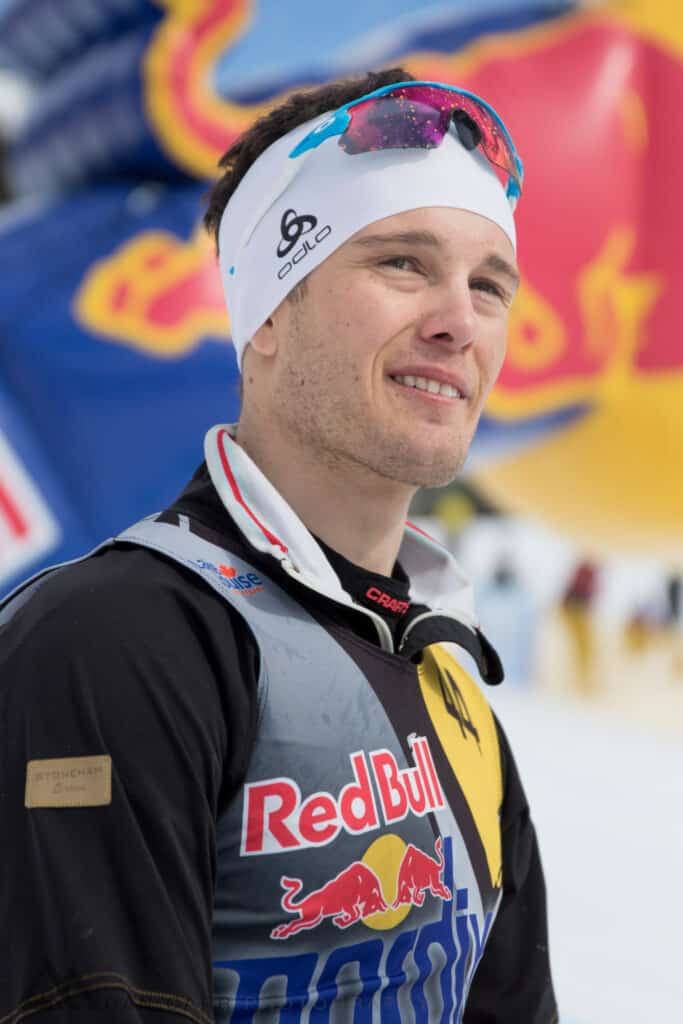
507 612
246 768
577 608
675 618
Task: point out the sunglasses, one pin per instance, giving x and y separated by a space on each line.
408 115
417 115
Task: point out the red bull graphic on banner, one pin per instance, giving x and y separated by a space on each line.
194 124
593 334
161 295
131 315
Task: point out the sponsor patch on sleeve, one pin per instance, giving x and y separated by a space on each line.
69 782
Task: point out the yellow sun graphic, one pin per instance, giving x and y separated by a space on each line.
384 856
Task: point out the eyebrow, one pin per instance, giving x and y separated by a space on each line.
492 261
399 238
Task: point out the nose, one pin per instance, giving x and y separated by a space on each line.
450 318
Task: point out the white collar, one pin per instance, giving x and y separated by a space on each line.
270 525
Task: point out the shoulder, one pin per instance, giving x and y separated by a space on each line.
124 625
515 807
132 653
119 590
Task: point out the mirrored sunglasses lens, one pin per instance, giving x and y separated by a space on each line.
494 142
418 117
394 121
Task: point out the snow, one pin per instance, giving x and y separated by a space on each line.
607 798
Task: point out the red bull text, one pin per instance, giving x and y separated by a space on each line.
277 819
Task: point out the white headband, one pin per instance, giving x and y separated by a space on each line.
330 198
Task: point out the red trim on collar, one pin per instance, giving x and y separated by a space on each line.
418 530
238 495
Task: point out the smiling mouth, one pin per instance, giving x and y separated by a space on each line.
430 388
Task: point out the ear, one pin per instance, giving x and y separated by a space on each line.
265 341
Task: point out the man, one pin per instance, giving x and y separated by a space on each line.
242 734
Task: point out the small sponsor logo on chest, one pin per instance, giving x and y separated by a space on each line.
276 818
246 583
384 600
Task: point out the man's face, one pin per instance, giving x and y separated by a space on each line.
387 358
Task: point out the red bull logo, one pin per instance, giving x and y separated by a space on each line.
158 293
276 818
401 965
593 332
418 874
580 317
356 893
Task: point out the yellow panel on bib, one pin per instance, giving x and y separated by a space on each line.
466 729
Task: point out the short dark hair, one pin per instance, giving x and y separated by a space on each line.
296 109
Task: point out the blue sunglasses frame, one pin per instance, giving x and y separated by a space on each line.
340 120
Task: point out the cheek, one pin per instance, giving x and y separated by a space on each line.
316 363
495 351
500 355
337 332
490 359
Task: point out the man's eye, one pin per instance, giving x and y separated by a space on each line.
400 262
484 285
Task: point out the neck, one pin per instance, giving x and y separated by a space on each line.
354 510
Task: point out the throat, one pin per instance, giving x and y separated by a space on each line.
387 596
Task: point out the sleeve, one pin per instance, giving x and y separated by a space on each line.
106 904
513 983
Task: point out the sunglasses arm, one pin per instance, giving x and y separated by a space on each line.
334 125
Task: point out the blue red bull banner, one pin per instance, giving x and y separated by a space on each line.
116 348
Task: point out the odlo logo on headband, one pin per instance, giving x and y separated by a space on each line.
292 227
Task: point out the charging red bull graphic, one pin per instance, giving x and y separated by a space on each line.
418 874
427 968
356 892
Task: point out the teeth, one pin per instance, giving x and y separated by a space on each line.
434 387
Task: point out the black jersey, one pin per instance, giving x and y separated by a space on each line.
129 659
